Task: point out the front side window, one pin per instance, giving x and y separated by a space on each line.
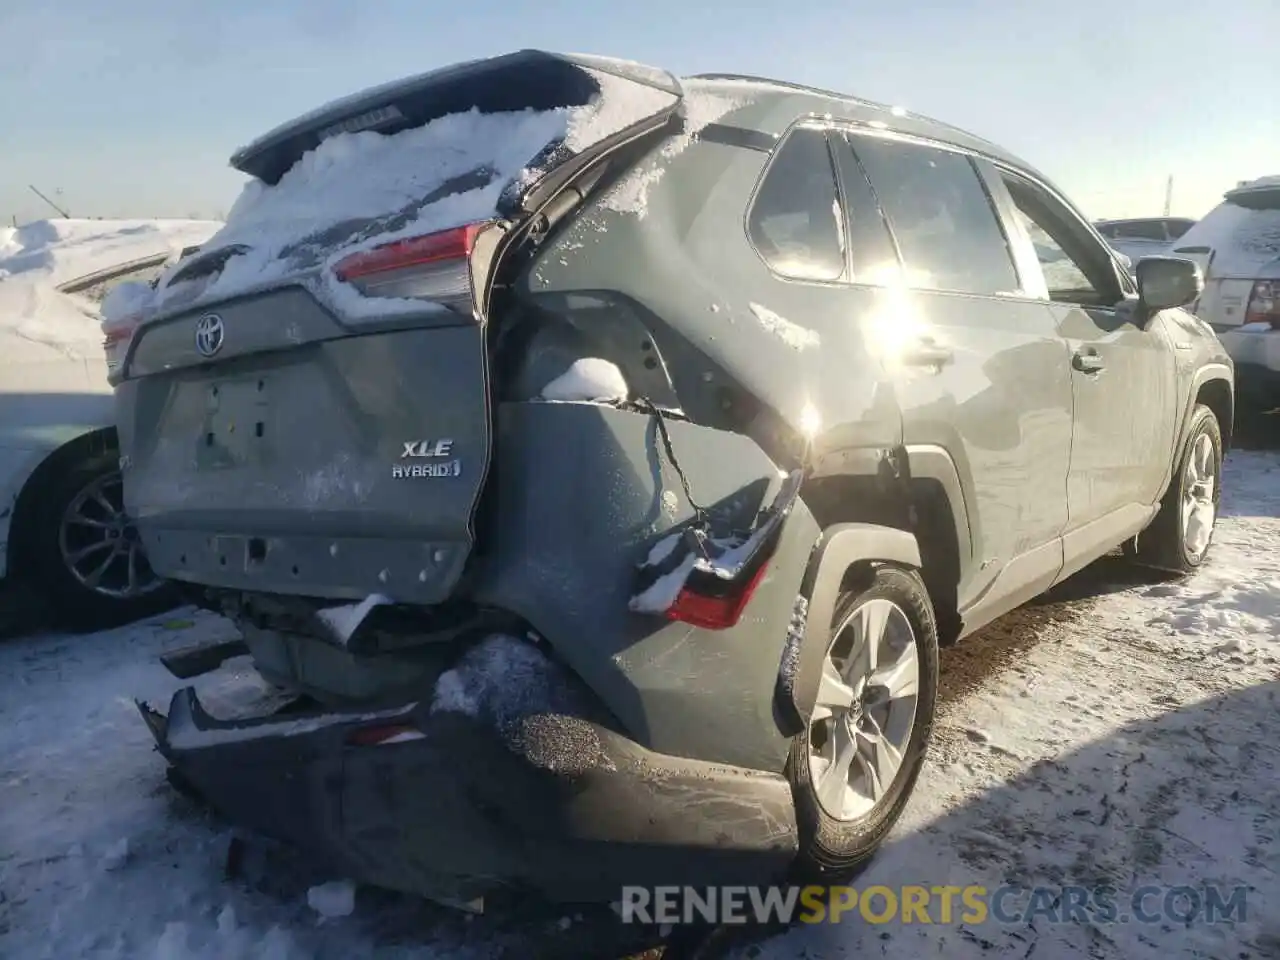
1076 268
795 219
946 228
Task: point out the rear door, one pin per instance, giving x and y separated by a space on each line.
980 370
1123 377
306 410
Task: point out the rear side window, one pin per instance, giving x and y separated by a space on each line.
795 218
939 211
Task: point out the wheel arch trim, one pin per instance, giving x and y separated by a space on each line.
838 550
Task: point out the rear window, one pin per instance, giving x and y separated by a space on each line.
414 157
1139 230
1242 233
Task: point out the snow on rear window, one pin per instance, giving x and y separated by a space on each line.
359 190
1243 240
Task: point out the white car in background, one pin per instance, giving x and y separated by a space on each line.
63 532
1143 236
1237 245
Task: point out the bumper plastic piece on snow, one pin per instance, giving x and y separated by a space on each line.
556 803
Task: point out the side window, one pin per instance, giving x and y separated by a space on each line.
1108 230
871 250
1076 269
795 217
1176 228
1142 230
941 216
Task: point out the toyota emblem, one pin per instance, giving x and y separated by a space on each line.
209 334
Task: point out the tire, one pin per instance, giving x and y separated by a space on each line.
834 848
72 602
1165 544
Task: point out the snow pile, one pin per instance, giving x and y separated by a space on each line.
357 191
589 379
59 251
337 898
37 322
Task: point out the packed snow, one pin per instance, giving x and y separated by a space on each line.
39 323
356 191
59 251
588 379
1121 731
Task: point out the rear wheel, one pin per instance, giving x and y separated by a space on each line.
1179 537
854 769
86 551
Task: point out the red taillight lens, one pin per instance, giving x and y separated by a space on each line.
1264 303
435 267
714 612
377 736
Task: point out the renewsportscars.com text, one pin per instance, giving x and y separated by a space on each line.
972 904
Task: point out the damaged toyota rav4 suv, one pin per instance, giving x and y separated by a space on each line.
593 460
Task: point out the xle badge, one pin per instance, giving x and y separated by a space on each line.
431 450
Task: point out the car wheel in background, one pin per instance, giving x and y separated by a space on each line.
86 552
853 770
1179 537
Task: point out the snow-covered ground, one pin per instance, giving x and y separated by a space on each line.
1119 732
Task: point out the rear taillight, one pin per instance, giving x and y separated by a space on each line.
115 342
1264 303
435 267
713 606
382 735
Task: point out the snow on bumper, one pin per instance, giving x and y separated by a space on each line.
459 806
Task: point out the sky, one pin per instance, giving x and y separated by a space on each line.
130 108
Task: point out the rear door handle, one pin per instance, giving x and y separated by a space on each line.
1087 362
927 353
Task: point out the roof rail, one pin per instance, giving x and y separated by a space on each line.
836 95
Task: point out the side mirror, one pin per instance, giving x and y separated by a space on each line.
1167 282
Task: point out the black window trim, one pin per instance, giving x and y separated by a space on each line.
877 128
824 128
834 134
1123 283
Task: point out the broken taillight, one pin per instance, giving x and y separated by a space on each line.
1264 303
381 735
714 609
435 267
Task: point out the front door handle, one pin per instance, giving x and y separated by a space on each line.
927 352
1087 362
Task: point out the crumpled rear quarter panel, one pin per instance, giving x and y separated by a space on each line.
580 493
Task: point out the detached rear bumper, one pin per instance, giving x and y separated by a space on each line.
454 807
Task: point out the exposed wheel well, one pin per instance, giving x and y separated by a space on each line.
26 509
1216 395
919 506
